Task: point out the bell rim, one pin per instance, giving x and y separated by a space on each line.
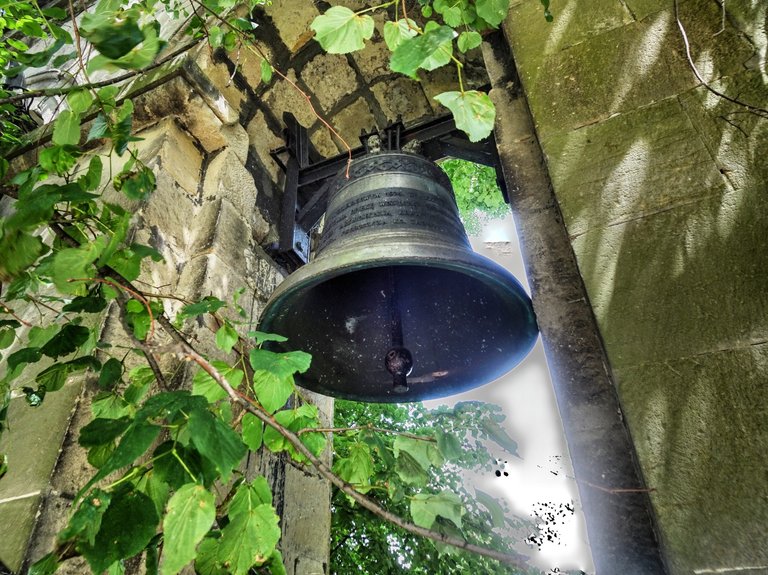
451 258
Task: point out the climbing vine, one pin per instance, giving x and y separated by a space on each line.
168 482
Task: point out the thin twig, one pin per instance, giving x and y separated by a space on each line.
762 112
10 312
512 558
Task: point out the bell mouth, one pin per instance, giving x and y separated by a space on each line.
465 321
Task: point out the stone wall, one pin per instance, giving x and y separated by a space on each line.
207 124
661 184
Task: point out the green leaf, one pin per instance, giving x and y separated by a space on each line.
87 304
425 508
469 40
20 250
281 364
547 14
340 30
304 417
449 445
66 129
100 454
79 101
86 521
410 471
208 304
422 51
262 337
273 375
473 112
111 373
357 467
266 71
127 526
52 378
191 512
92 178
136 185
497 434
493 507
272 390
396 32
425 452
101 431
249 496
127 261
206 562
7 337
98 129
492 11
57 159
110 406
216 441
26 355
75 263
154 488
203 384
226 338
136 440
253 431
68 340
47 565
111 36
249 539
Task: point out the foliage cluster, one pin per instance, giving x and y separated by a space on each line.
168 482
477 193
363 543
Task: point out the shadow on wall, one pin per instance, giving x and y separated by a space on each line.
662 188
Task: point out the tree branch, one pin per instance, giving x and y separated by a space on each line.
514 559
92 86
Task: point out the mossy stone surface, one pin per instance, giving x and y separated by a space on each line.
31 442
682 282
700 426
634 164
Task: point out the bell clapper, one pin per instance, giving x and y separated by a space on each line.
398 360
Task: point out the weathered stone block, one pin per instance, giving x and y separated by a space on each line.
31 443
261 141
284 97
329 77
577 91
292 20
699 425
227 178
321 138
679 282
402 97
352 119
220 76
574 22
631 165
170 150
735 138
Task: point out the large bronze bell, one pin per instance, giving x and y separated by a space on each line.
396 306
